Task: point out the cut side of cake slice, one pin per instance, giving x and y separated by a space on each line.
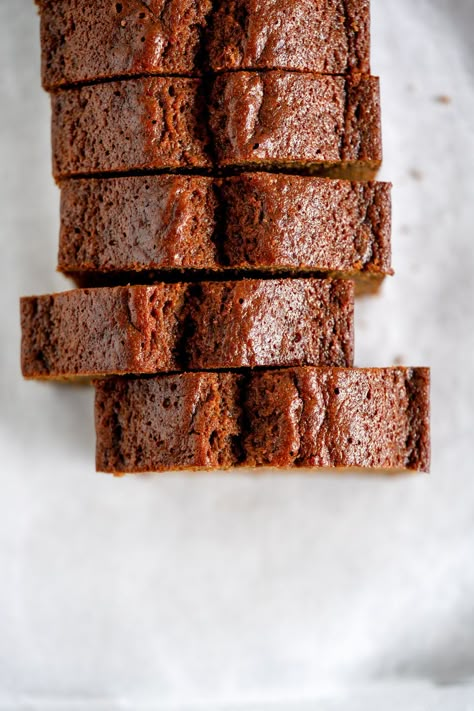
174 327
84 41
317 418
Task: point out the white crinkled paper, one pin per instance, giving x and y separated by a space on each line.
235 591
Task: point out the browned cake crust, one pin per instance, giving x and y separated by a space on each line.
173 327
144 124
90 41
271 121
284 120
374 419
254 221
304 35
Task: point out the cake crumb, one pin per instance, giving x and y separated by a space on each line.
416 174
443 99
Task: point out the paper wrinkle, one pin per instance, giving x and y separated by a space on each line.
176 590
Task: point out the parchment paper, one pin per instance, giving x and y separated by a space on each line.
231 591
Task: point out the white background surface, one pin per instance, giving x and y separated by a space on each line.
232 591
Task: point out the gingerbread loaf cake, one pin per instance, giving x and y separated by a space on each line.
193 142
336 418
268 121
85 42
131 228
174 327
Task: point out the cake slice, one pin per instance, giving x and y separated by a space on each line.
130 229
174 327
323 36
302 122
143 124
321 418
275 120
83 41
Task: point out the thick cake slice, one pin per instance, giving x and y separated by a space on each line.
144 124
84 41
330 418
173 327
306 122
127 228
269 121
323 36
